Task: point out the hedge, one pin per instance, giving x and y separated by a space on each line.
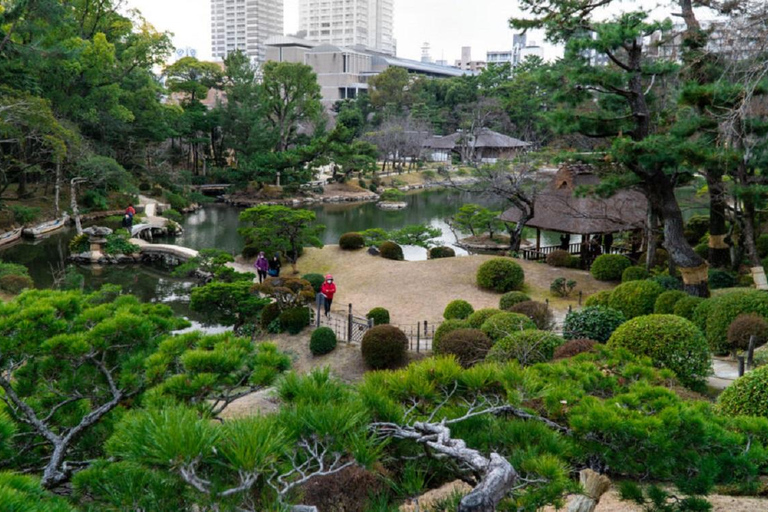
599 299
477 318
469 346
593 322
504 324
747 396
715 315
665 303
500 275
609 267
441 252
384 347
686 306
458 310
635 298
509 299
351 241
527 347
634 273
323 341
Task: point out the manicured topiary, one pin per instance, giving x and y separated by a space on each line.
294 320
504 324
665 303
686 306
15 283
446 327
351 241
269 314
441 252
634 273
599 299
458 310
391 251
316 280
538 312
745 327
715 315
573 348
593 322
477 318
500 275
379 316
384 346
670 341
721 279
470 346
667 282
527 347
635 298
323 341
509 299
747 396
609 267
559 258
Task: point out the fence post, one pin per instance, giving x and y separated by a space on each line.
418 337
570 309
318 300
349 325
425 333
751 352
581 294
741 366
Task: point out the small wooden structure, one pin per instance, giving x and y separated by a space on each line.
489 146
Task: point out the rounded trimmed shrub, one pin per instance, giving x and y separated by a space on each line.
269 314
351 241
667 282
469 346
634 273
665 303
661 258
500 275
384 347
609 267
598 299
527 347
538 312
715 315
504 324
323 341
593 322
380 316
15 283
446 327
316 280
294 320
721 279
458 310
477 318
670 341
635 298
744 327
559 258
573 348
441 252
686 306
391 251
747 396
509 299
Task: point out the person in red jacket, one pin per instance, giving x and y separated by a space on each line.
328 290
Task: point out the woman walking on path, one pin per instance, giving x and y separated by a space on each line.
274 266
262 265
328 290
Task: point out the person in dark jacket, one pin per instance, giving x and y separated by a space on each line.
328 290
262 266
274 266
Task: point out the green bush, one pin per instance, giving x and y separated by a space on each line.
477 318
469 346
173 215
702 250
392 195
562 287
24 214
765 263
384 346
743 328
696 228
686 306
117 243
593 322
441 252
573 348
635 298
661 258
504 324
747 396
177 201
458 310
269 314
665 303
527 347
715 315
380 316
609 267
500 275
559 258
94 200
391 251
15 283
79 243
762 245
538 312
294 320
509 299
634 273
721 279
323 341
316 280
446 327
670 341
599 299
667 282
351 241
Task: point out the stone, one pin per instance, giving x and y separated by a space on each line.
373 251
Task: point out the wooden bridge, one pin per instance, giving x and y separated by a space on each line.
216 188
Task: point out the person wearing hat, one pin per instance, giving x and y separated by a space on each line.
328 290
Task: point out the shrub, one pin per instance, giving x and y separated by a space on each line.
504 324
477 318
609 267
686 306
446 327
667 282
665 303
79 243
509 299
294 320
696 227
391 251
323 341
500 275
441 252
573 348
593 322
173 215
177 201
661 258
764 262
635 298
469 346
670 341
351 241
744 327
721 279
562 287
702 250
715 315
559 258
15 283
747 396
384 346
380 316
599 299
269 314
392 195
316 280
24 214
458 309
94 200
762 245
538 312
527 347
634 273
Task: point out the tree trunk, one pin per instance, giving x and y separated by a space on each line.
719 251
651 241
57 190
73 205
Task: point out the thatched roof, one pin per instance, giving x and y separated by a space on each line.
486 139
556 208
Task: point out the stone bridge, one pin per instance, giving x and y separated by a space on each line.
173 251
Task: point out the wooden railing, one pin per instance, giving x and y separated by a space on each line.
575 249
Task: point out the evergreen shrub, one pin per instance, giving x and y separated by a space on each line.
477 318
696 228
500 275
172 214
316 280
391 251
527 347
743 328
458 310
384 346
661 258
721 279
441 252
665 303
715 315
504 324
380 316
351 241
15 283
635 298
509 299
667 282
446 327
747 396
609 267
702 250
538 312
573 348
323 341
634 273
294 320
469 346
593 322
559 258
599 299
686 306
762 245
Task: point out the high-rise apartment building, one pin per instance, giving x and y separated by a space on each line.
244 25
367 23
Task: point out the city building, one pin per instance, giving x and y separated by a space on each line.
244 25
521 49
466 63
365 23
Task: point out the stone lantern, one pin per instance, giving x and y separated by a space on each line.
97 238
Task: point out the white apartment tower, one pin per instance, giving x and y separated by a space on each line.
367 23
244 25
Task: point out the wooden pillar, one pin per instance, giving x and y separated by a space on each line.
538 239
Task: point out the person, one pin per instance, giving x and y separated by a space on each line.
565 242
262 265
274 266
328 290
128 219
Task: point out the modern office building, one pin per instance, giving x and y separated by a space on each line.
466 63
521 49
244 25
365 23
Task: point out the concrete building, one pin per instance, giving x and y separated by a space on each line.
244 25
466 63
521 49
366 23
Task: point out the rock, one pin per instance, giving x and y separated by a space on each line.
97 231
392 205
373 251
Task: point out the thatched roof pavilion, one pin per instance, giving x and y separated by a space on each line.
489 145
